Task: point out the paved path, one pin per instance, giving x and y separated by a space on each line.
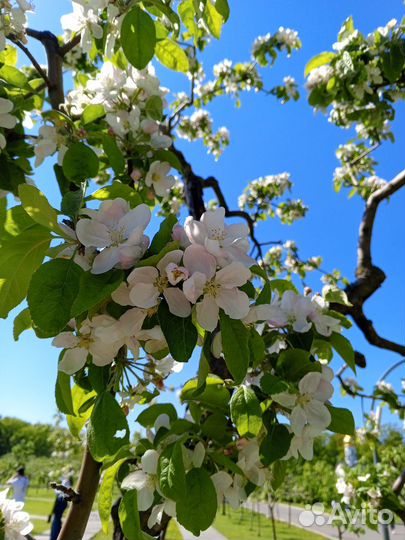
281 513
93 527
209 534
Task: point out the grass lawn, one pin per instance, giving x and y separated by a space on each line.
40 526
38 508
173 532
238 525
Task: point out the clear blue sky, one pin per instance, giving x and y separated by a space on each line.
266 138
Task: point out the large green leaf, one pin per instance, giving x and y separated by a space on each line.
20 256
13 76
171 472
138 37
108 428
114 154
171 55
235 344
118 189
37 207
213 19
246 413
275 445
80 163
63 394
342 421
163 236
52 292
21 323
148 417
295 363
105 496
94 289
129 516
77 421
318 60
214 395
180 333
344 349
197 509
93 112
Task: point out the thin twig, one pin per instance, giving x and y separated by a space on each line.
70 493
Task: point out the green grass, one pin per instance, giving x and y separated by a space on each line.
173 532
237 525
40 526
38 508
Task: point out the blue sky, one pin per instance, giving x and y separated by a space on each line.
266 138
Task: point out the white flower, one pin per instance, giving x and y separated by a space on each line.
147 284
217 289
16 523
47 143
308 406
91 338
228 488
85 22
226 242
158 177
303 444
167 365
144 480
124 122
249 462
118 231
7 120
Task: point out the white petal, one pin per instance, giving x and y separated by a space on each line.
135 480
73 360
222 481
214 220
298 419
144 295
196 232
171 257
306 448
234 302
178 303
92 233
140 217
207 313
105 260
324 391
146 274
121 295
150 461
197 259
317 414
285 399
131 321
145 498
65 340
233 275
6 105
309 382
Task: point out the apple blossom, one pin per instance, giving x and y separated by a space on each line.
158 177
14 523
303 444
118 231
85 21
249 461
229 488
144 480
7 120
217 289
48 142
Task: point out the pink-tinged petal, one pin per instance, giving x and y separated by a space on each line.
132 320
171 257
298 420
207 313
145 274
239 255
235 303
134 238
236 231
285 399
73 360
65 340
317 414
213 247
144 295
140 217
112 211
309 382
324 391
92 233
196 232
128 256
233 275
214 220
176 273
193 287
105 260
177 302
121 295
197 259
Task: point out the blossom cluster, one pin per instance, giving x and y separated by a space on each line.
7 120
14 523
285 259
13 20
285 39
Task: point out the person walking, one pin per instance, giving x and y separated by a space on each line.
19 482
58 509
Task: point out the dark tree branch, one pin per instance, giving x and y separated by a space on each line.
34 62
70 493
67 47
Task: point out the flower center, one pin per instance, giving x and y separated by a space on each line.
211 288
156 177
217 234
304 399
117 236
161 283
85 341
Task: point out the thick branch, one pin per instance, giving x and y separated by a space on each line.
67 47
34 61
75 524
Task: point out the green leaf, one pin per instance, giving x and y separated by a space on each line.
270 384
187 15
265 295
293 364
215 396
213 19
216 427
342 421
105 495
257 347
114 154
235 338
335 295
318 60
117 189
106 421
20 256
197 509
129 516
13 76
171 55
169 157
76 423
154 108
246 413
344 349
94 289
80 163
148 417
180 333
21 323
282 285
278 471
37 207
53 290
275 445
63 394
164 235
138 37
72 202
393 63
92 113
222 7
171 472
9 56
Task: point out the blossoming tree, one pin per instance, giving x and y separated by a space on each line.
126 309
